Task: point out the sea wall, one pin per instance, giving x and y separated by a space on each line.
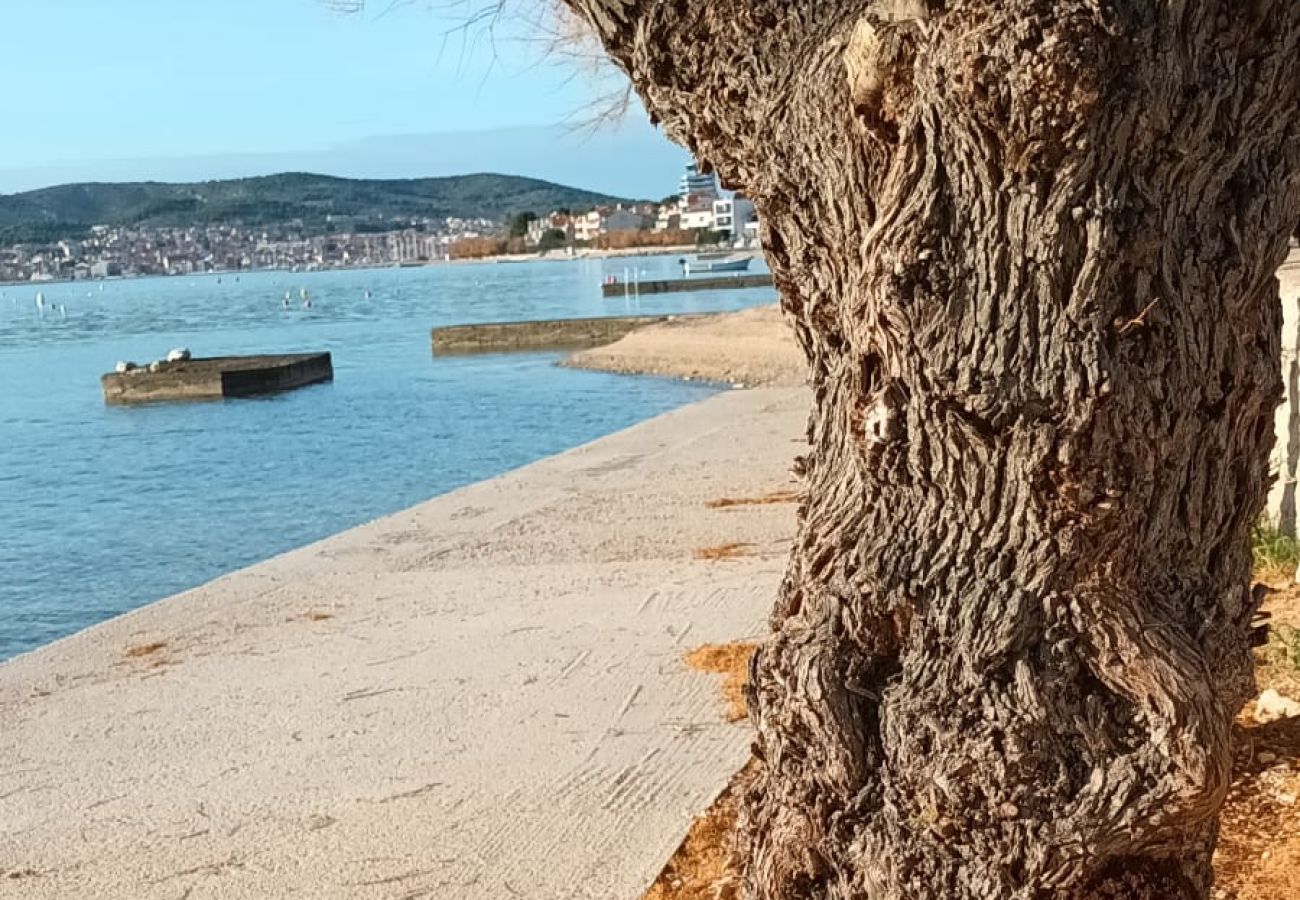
686 285
549 334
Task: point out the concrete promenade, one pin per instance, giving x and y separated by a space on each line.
480 697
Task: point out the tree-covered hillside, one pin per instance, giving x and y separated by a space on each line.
68 210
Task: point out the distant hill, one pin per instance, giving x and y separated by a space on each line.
69 210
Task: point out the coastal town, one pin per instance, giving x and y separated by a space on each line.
700 210
699 207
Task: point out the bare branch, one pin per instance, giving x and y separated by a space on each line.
557 36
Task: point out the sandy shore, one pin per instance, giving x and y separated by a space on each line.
480 697
752 347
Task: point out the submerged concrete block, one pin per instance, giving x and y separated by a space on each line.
216 377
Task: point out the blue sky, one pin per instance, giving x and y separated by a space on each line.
130 89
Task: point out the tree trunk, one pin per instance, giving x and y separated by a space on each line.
1030 250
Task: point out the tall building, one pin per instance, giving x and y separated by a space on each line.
697 188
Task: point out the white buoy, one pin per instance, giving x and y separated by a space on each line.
40 300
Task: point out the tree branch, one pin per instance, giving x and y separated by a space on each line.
724 77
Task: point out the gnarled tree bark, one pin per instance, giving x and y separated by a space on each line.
1029 248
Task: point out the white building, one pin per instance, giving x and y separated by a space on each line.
412 246
597 222
698 218
697 187
732 215
538 228
586 227
669 218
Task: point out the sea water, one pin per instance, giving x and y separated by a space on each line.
104 509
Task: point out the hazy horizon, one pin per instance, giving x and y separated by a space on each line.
632 160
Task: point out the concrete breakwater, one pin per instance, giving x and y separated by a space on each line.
217 377
685 285
548 334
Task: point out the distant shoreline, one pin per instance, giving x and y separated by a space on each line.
552 256
557 256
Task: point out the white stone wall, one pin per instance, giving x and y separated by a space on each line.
1286 452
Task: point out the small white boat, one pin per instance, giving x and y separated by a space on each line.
714 266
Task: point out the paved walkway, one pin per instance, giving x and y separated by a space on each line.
480 697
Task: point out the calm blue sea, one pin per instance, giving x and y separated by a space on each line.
105 509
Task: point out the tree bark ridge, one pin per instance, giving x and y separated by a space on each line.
1030 249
